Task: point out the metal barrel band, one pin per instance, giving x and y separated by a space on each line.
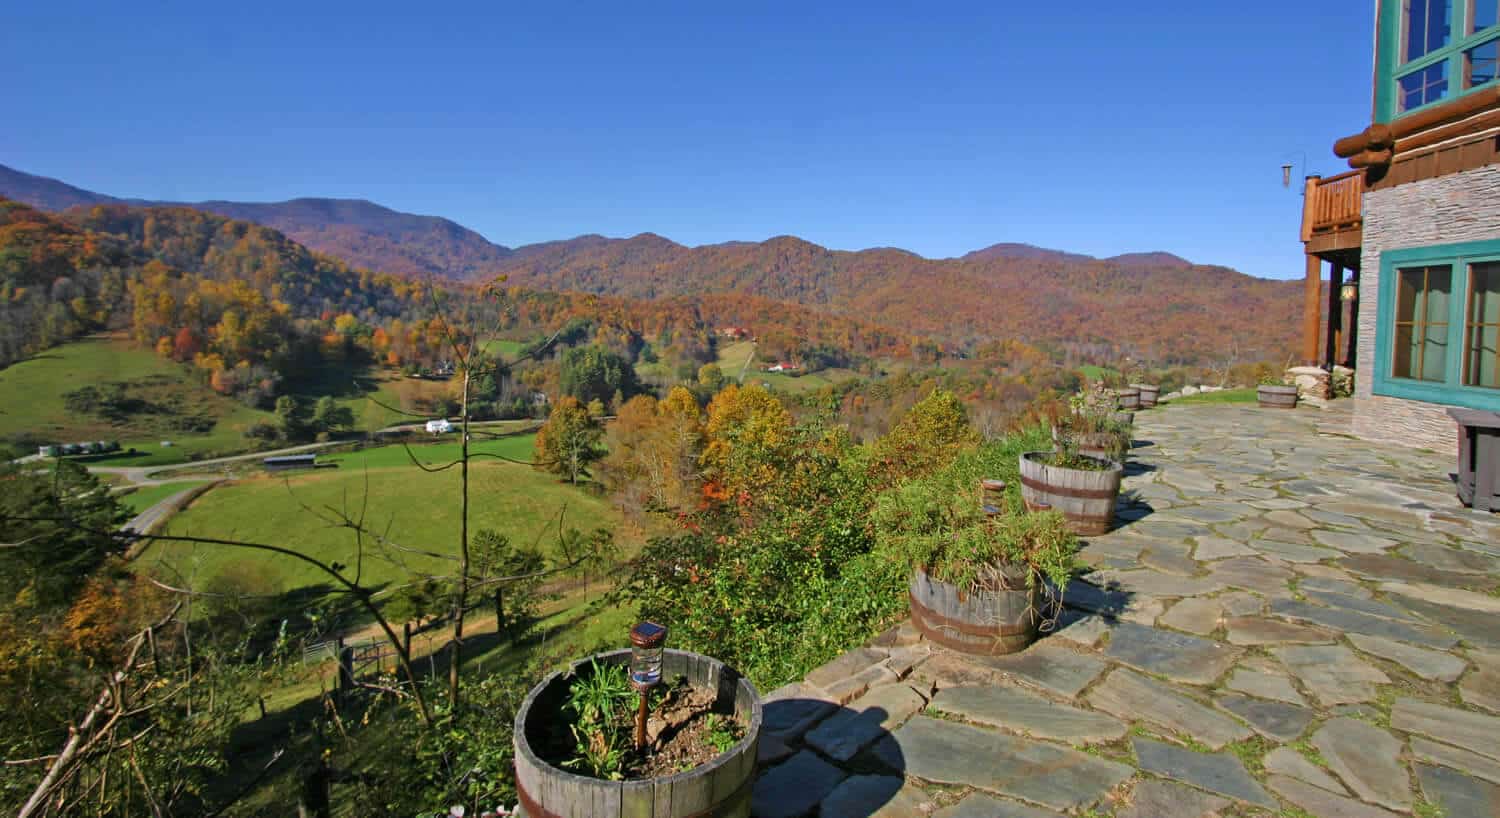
1067 491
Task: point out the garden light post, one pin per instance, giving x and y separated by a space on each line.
647 641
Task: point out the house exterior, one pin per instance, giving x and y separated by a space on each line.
439 427
1411 235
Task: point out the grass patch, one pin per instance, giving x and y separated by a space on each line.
1426 809
1309 752
414 509
1251 752
1226 396
147 496
32 402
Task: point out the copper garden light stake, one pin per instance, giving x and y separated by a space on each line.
647 642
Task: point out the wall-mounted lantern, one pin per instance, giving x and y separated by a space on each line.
1286 175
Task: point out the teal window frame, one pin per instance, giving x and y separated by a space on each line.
1389 51
1451 391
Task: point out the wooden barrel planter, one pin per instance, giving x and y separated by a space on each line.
1099 445
1123 418
984 622
1086 498
1149 394
1271 396
1128 398
718 789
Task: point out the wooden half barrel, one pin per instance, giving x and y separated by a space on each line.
1149 394
1276 397
1123 418
1128 398
1099 445
718 789
1086 498
983 622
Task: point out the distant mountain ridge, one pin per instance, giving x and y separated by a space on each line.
362 233
1156 304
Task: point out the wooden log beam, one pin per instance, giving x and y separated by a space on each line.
1371 158
1311 309
1453 130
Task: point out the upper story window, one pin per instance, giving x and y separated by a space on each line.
1436 50
1428 25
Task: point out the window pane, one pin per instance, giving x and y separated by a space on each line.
1484 15
1429 84
1479 63
1421 331
1483 331
1427 26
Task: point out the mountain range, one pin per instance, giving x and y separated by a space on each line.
1154 304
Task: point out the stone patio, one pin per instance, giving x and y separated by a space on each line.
1289 621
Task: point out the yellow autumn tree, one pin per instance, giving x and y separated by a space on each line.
749 442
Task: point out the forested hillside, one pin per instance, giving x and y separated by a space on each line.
1153 306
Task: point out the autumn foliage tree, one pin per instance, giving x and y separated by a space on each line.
569 441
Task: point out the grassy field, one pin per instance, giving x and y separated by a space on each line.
32 403
148 496
733 357
1095 373
414 509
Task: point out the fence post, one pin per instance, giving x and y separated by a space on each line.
346 664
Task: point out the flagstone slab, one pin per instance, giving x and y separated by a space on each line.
1353 542
1461 728
1146 582
875 796
1395 569
1265 685
1332 673
1288 519
979 805
1366 758
1170 561
1356 622
1474 627
1357 604
949 753
857 725
1241 603
1254 630
1254 574
1053 668
1449 597
1471 763
1457 794
1024 712
1168 799
1083 629
1286 761
1129 695
1220 773
1321 803
1445 558
791 715
1293 552
1333 586
1212 513
1198 614
795 786
1272 719
1177 656
1482 688
845 666
1429 664
1218 548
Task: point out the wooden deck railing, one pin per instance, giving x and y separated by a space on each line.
1333 204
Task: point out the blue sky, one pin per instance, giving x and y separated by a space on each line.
1091 126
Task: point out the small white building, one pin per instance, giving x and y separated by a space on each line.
439 427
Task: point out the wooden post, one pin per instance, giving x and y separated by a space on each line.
1311 309
1335 316
501 626
406 637
346 664
1351 330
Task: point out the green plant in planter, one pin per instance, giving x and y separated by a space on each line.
937 524
1092 424
594 698
1272 379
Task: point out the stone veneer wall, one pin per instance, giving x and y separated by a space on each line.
1454 208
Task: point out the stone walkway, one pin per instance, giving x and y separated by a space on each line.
1289 622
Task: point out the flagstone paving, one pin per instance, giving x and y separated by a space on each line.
1286 621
